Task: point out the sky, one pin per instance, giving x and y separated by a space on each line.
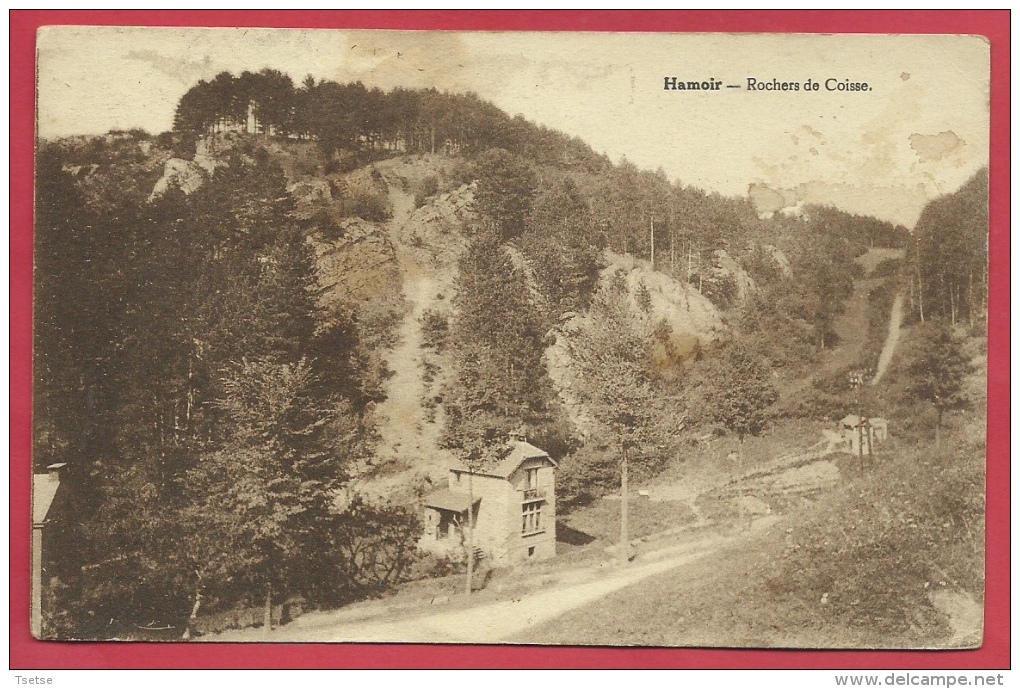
919 131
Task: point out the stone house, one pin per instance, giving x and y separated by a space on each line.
48 500
513 508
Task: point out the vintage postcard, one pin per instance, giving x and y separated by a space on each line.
446 337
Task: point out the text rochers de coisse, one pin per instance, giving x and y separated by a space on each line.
756 84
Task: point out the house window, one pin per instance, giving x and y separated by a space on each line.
531 517
531 479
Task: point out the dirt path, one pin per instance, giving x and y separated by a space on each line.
499 621
891 340
409 442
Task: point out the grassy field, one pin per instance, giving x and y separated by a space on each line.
871 564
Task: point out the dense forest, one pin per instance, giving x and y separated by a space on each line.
181 351
948 256
211 410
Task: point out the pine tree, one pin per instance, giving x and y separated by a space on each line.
506 191
501 384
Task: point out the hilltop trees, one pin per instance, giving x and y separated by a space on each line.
948 258
353 117
254 102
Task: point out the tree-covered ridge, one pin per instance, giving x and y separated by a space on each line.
948 256
630 210
352 116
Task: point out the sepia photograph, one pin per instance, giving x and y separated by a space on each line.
544 338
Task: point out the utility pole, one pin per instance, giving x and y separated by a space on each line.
471 529
651 222
857 378
624 540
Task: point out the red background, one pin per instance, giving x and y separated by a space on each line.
27 653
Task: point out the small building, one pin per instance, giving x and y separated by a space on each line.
513 508
863 435
45 489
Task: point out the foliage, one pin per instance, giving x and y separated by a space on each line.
429 187
633 409
506 190
937 367
762 265
561 247
736 390
500 384
587 474
719 286
367 205
801 310
886 540
213 435
267 489
948 261
435 331
370 549
353 118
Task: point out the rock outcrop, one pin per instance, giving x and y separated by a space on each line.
653 299
680 305
358 266
187 175
726 265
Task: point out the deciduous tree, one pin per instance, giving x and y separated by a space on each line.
738 391
937 368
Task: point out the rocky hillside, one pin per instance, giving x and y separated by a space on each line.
654 299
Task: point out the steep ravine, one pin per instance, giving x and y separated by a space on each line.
409 434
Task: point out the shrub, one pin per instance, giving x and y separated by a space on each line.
372 549
368 205
718 286
435 329
885 540
586 475
429 187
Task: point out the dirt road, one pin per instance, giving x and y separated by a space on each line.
498 621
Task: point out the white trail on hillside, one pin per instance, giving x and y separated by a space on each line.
408 440
891 340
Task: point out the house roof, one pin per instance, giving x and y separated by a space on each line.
44 489
521 451
449 500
